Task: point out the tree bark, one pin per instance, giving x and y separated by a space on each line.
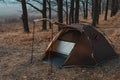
71 15
106 10
67 14
60 12
114 7
77 12
25 16
103 6
84 12
98 5
44 26
49 4
86 9
95 12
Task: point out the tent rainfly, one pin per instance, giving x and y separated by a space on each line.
78 45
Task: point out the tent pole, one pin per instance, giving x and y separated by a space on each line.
51 48
50 51
33 36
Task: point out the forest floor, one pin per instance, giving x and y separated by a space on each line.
15 55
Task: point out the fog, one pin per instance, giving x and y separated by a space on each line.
12 9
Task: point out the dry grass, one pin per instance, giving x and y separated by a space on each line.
15 54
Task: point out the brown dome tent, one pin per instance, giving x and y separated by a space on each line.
77 45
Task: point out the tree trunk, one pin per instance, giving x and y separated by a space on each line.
98 5
86 9
77 12
103 6
25 16
95 12
44 26
67 15
106 10
84 12
71 15
60 12
49 4
114 7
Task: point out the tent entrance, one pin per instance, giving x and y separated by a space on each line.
56 59
62 47
60 51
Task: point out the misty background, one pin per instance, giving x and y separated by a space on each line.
11 9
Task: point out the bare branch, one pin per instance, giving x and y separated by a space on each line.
35 7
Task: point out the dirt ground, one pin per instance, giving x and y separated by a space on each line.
15 55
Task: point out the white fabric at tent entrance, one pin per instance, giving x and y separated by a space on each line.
63 47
